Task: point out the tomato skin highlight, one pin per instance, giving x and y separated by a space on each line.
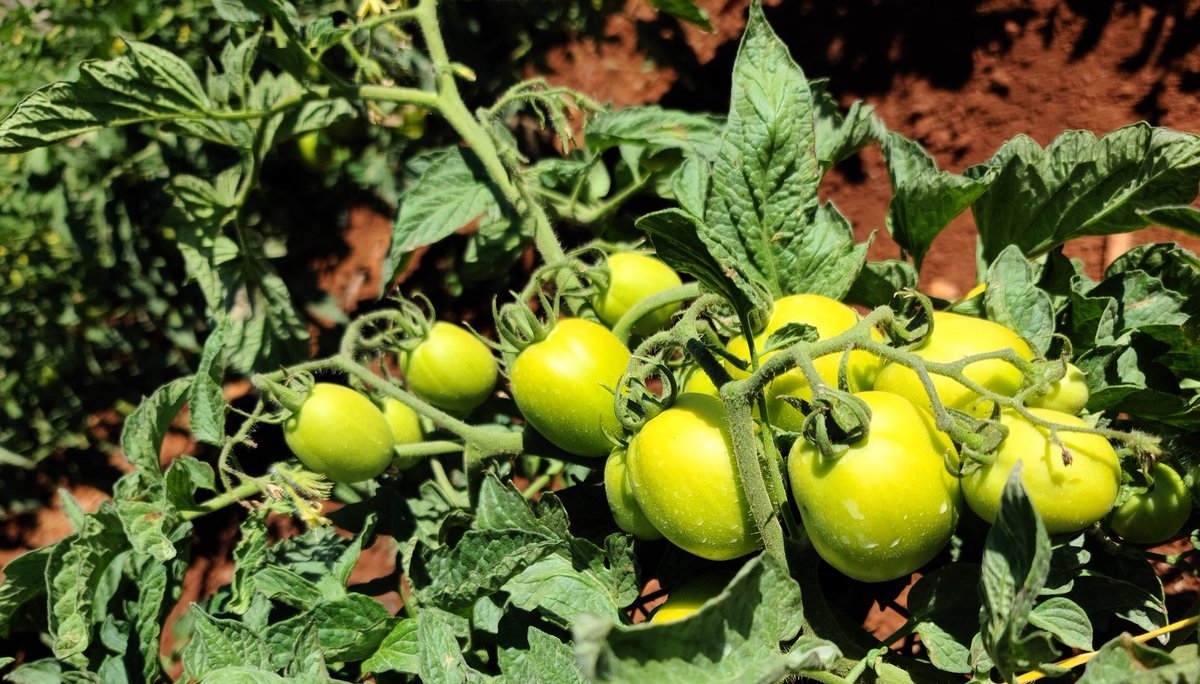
830 317
956 336
688 598
1069 394
451 368
621 502
406 429
562 385
634 277
340 433
684 477
1157 515
887 505
1067 497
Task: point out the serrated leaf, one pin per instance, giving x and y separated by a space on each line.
206 400
656 128
545 659
840 136
185 476
502 507
1081 185
686 10
1184 217
676 241
142 436
689 185
441 657
554 585
288 587
249 556
398 652
45 671
153 582
1064 619
759 609
348 629
74 570
218 643
1016 562
761 218
879 281
453 194
24 581
1124 660
480 563
1014 300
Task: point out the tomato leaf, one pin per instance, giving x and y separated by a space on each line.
1016 563
762 217
249 556
760 608
205 398
879 281
840 136
655 128
398 652
1063 618
544 658
1013 299
348 629
1124 660
218 643
1182 217
441 656
1081 185
454 194
24 580
686 10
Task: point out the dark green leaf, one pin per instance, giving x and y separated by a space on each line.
75 569
348 629
481 563
879 281
656 128
249 556
24 580
1063 618
218 643
205 399
1124 660
398 652
1184 218
945 606
841 136
545 659
1012 299
441 657
1081 185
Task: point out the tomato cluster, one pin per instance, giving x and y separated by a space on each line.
880 506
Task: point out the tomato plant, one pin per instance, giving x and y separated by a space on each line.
450 368
1157 514
563 385
1072 480
683 476
340 434
854 432
889 503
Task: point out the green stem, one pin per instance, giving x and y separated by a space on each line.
595 213
431 448
220 501
624 327
736 396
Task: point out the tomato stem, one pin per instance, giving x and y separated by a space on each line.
624 327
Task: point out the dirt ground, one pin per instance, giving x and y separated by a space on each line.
961 78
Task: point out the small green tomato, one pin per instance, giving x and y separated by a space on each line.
406 429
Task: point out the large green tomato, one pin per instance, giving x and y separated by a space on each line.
634 277
406 429
1069 394
1156 515
625 508
1069 497
887 505
955 337
682 470
340 433
563 385
451 368
689 597
830 318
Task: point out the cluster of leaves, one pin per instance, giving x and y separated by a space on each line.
497 587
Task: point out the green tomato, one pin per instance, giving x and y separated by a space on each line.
689 597
625 508
340 433
314 152
563 385
406 429
956 336
888 504
1156 515
684 477
1069 394
451 368
696 381
634 277
830 317
1069 497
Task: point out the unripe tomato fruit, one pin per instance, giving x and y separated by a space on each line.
696 381
1069 394
1068 497
683 474
406 429
954 337
830 317
314 152
625 508
887 505
689 597
340 433
1156 515
563 385
451 368
634 277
